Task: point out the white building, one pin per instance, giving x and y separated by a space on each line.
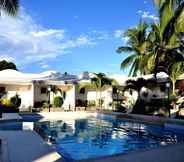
33 88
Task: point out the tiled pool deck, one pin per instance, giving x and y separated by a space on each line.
27 146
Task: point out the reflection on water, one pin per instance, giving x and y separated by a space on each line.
90 138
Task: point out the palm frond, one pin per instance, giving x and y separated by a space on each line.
128 61
124 49
159 3
11 7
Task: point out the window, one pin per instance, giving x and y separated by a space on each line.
82 91
43 90
162 88
2 89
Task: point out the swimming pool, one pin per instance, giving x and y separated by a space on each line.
103 136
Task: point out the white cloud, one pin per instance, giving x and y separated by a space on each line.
119 33
44 65
148 15
24 41
7 58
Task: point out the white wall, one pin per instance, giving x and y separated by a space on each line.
69 102
25 92
92 95
38 97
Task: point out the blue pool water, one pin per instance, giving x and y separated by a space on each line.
97 137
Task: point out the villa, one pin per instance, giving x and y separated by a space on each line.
33 88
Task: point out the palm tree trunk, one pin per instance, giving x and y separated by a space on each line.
173 88
100 100
96 98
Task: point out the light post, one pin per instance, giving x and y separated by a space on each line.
49 90
168 90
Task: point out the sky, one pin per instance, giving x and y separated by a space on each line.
70 36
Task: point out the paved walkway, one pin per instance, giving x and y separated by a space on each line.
172 153
27 146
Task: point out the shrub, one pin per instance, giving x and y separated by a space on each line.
58 101
119 107
6 102
92 103
45 104
15 101
81 103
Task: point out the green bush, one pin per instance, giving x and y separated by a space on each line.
15 101
58 101
45 104
92 103
81 103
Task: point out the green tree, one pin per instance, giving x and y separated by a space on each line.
165 47
98 82
54 89
11 7
176 70
137 47
7 65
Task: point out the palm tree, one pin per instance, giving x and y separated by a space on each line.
11 7
165 47
176 70
98 82
137 47
55 90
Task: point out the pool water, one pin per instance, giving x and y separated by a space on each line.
98 137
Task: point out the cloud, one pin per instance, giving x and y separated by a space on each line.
44 65
24 41
118 33
147 15
7 58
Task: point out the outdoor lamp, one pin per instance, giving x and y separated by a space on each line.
168 86
49 90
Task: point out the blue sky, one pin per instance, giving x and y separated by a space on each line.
68 35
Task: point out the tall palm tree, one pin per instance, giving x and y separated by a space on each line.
98 82
137 47
165 47
11 7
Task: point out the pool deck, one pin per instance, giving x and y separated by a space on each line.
10 117
26 146
172 153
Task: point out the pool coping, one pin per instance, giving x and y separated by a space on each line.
145 118
131 156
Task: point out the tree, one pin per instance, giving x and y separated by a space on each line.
98 82
11 7
165 45
7 65
176 70
137 47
